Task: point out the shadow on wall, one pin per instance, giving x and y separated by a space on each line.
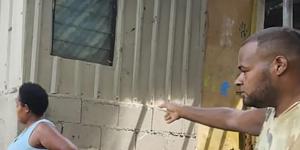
212 138
141 119
190 129
138 126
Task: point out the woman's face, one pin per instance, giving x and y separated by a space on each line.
22 111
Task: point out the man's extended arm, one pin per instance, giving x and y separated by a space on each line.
248 121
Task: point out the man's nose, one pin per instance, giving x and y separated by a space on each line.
238 81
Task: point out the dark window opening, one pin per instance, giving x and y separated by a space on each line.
84 30
273 13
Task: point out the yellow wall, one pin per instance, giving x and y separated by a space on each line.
228 25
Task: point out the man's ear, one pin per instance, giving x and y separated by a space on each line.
280 64
26 108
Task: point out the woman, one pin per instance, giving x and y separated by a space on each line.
39 133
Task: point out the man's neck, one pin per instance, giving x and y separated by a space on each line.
285 104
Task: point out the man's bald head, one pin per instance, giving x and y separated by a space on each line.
277 41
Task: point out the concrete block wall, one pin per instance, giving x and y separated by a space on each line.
103 125
8 119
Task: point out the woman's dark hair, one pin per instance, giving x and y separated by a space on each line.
35 97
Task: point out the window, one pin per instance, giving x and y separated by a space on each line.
273 13
84 30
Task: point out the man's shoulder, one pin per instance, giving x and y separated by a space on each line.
293 112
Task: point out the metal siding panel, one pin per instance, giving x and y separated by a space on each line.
170 53
55 74
29 12
196 53
178 52
46 39
186 49
118 49
128 49
45 60
36 40
44 70
11 48
16 46
154 42
137 47
7 40
4 42
145 53
161 55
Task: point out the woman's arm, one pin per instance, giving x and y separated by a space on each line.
48 137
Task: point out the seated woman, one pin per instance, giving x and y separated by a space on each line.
39 133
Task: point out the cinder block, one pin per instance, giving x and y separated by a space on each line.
64 109
181 143
8 119
159 123
85 137
98 113
113 139
147 141
135 117
2 128
58 126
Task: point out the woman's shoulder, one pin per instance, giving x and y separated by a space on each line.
44 127
44 124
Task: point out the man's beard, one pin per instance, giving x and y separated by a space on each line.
263 96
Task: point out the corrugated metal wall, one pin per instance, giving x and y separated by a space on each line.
11 43
229 24
11 53
158 54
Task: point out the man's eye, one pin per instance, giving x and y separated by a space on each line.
244 71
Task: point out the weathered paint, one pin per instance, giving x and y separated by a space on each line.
11 61
224 88
229 23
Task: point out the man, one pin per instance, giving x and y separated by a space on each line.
269 80
39 133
